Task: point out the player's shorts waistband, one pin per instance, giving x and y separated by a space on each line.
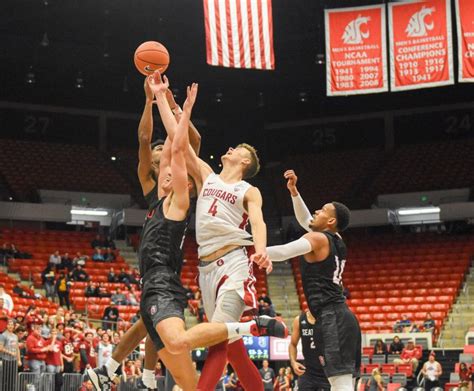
208 266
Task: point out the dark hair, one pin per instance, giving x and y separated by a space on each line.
156 143
343 216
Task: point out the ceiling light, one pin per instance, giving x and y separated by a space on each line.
113 158
30 77
79 80
418 211
89 212
45 41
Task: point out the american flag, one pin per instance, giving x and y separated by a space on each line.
239 33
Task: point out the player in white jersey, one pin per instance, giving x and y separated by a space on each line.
225 204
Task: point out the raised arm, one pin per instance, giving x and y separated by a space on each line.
293 348
180 199
145 132
302 213
159 88
165 162
194 136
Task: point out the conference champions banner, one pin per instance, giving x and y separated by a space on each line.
356 52
465 29
421 53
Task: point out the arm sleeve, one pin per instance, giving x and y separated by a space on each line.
290 250
302 212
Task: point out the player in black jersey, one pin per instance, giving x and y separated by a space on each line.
323 259
311 374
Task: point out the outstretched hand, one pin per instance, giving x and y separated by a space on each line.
157 84
291 180
191 93
263 261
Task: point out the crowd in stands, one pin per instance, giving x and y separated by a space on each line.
405 325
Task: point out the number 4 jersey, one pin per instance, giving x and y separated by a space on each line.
322 281
221 218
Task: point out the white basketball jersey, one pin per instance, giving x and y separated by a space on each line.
220 215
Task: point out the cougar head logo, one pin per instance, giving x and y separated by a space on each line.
353 35
417 26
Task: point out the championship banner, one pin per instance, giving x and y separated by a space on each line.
465 28
421 53
356 52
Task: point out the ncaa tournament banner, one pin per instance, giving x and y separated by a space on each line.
356 52
465 28
421 53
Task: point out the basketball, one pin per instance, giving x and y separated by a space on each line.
151 56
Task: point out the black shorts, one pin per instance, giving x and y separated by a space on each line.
163 296
308 382
338 334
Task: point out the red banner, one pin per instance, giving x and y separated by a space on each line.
356 53
421 53
465 24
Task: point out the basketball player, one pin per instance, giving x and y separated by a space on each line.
337 330
148 172
163 297
311 376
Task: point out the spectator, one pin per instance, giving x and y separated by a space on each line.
265 298
403 326
18 254
291 378
67 262
21 334
3 317
98 242
431 371
49 285
465 377
102 290
36 295
135 276
54 358
189 292
98 256
104 350
91 290
110 317
5 254
109 255
80 259
119 298
135 317
109 243
397 346
265 309
410 355
55 260
131 296
281 382
68 351
138 367
268 376
229 382
62 288
124 277
9 354
7 299
375 383
79 274
380 347
112 276
159 369
36 350
88 352
87 386
18 290
429 324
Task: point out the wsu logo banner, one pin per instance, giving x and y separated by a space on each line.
356 53
465 24
421 53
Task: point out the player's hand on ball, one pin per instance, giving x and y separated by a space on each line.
191 97
291 179
298 368
158 85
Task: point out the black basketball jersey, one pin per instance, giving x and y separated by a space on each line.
322 281
310 352
161 240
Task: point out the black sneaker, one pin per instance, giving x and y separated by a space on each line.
100 378
141 386
264 325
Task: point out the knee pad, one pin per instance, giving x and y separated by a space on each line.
341 383
229 308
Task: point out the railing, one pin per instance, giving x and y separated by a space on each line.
11 380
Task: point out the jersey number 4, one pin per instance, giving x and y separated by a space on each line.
213 209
